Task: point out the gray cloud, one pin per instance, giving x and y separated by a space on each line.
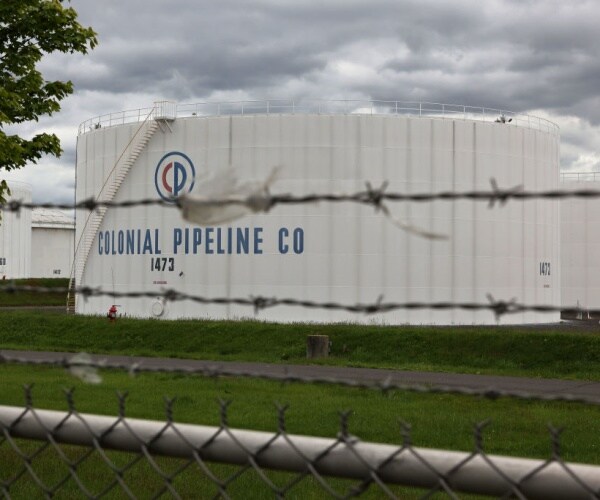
507 54
518 55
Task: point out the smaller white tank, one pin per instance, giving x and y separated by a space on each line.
15 236
53 241
580 244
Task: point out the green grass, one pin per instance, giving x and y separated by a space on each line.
551 352
31 298
441 421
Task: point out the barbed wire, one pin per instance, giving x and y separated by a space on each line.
259 303
84 367
264 201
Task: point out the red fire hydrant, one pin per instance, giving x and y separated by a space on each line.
112 313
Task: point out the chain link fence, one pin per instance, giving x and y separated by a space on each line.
47 453
72 454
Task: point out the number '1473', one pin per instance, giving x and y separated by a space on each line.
162 264
544 268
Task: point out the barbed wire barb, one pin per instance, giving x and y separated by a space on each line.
502 196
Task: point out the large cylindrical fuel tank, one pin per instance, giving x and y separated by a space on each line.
344 253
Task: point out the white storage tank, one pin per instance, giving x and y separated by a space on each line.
580 245
15 235
52 242
344 253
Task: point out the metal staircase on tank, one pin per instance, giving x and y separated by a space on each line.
107 193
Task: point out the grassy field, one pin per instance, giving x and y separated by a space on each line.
34 299
526 351
517 427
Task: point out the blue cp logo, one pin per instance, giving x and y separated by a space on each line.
175 175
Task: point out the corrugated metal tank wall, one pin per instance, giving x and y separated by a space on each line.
52 252
580 247
15 236
351 253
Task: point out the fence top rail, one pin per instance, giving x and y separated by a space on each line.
173 110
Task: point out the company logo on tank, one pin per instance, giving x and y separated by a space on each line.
174 175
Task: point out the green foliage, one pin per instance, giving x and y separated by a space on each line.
517 428
37 299
558 351
29 30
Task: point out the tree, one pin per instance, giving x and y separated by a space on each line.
29 30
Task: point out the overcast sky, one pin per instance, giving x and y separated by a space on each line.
537 57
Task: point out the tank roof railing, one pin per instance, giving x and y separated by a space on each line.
580 176
290 107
